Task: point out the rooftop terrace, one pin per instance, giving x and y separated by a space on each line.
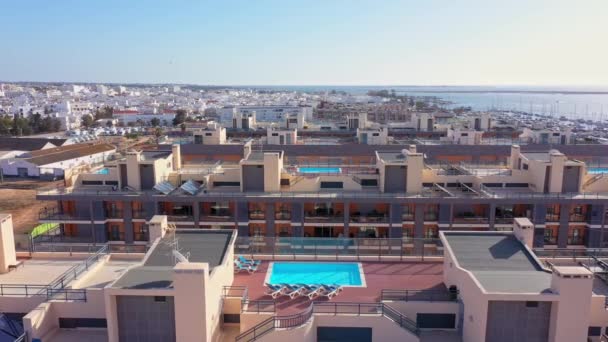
499 262
194 245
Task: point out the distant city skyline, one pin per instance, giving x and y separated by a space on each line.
307 43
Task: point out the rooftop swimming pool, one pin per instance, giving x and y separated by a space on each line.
319 170
104 171
312 273
597 170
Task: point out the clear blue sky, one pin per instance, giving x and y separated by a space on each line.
289 42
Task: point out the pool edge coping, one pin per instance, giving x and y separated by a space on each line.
359 267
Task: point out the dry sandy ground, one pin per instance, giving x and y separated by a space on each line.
24 207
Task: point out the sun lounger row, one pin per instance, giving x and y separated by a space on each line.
243 264
299 290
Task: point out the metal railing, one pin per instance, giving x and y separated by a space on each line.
369 218
338 247
74 271
418 295
574 253
259 306
321 308
323 195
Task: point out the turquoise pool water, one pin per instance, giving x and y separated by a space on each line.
319 170
104 171
597 170
310 273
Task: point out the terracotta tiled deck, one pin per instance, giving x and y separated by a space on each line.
378 275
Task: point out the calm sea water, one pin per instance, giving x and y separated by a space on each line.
572 102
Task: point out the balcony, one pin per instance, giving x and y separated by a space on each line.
115 236
54 215
114 214
576 240
576 218
431 216
370 218
257 215
140 236
552 217
139 214
179 217
220 215
407 217
282 215
503 220
470 218
550 240
323 217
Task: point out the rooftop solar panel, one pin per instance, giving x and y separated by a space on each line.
191 187
164 187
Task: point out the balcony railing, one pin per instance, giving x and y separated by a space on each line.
217 216
552 217
282 215
470 219
550 240
370 218
407 217
576 240
115 236
327 195
503 220
139 214
114 214
140 236
432 216
419 295
56 215
319 217
576 218
257 215
180 218
338 247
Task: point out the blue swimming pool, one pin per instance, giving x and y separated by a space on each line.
104 171
597 170
339 273
319 170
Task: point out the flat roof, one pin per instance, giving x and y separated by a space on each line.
499 262
208 246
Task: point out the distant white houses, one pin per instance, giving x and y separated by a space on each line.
132 115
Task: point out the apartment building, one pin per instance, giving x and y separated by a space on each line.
184 286
342 190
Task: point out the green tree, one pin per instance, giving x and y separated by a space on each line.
180 117
109 124
155 122
86 121
104 112
183 127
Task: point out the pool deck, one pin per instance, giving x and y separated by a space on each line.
378 276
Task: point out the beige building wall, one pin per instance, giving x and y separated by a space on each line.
273 164
570 315
8 255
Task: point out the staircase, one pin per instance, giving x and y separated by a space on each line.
594 179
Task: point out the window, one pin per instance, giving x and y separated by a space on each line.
376 134
525 166
160 299
92 182
275 134
464 134
208 134
594 331
332 185
369 182
218 184
531 304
